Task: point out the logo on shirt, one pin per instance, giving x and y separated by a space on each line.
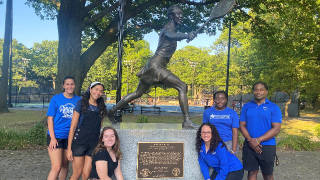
219 116
67 110
265 108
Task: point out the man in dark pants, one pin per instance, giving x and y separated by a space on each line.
260 122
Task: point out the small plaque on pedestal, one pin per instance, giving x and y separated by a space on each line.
160 160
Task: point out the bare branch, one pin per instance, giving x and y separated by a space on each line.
93 5
149 25
100 15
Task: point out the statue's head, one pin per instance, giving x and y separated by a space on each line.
172 9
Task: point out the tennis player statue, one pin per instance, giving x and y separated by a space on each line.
155 70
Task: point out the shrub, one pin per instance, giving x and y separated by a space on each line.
299 143
17 139
36 135
11 139
318 130
143 119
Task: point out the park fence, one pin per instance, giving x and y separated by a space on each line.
198 96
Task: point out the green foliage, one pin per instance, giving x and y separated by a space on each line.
299 143
11 139
17 139
143 119
318 130
19 68
44 61
36 135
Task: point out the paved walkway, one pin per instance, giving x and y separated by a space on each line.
35 164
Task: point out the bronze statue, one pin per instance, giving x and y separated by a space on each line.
155 70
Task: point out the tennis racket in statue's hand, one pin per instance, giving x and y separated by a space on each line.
219 10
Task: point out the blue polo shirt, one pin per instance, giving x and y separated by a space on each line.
258 119
223 120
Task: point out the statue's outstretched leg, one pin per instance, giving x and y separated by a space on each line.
141 89
176 83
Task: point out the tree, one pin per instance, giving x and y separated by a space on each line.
7 48
44 61
279 44
97 21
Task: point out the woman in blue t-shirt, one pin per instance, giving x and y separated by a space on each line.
226 121
59 119
212 152
106 156
85 129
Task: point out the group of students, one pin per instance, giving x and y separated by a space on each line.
74 125
217 138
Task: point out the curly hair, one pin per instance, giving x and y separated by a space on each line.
115 147
172 8
262 83
215 139
100 101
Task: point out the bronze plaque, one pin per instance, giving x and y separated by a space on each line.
160 160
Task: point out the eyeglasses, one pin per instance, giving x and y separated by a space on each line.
204 133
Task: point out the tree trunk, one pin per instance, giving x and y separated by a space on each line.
317 105
69 27
7 50
71 61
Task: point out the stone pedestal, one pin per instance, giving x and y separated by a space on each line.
132 133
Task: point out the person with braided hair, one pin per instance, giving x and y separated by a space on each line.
106 156
212 152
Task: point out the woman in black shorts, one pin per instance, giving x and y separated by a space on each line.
106 156
59 119
85 129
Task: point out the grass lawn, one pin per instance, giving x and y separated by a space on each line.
23 120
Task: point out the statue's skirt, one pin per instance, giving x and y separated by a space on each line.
155 70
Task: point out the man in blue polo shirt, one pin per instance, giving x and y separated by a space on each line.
260 122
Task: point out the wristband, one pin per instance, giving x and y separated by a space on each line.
257 141
232 152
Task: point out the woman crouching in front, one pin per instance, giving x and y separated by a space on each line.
107 155
213 152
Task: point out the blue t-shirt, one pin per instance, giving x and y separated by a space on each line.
220 159
61 109
223 120
78 109
258 119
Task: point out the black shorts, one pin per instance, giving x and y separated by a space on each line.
62 143
252 160
79 150
233 175
84 142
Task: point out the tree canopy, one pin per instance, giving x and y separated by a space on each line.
96 22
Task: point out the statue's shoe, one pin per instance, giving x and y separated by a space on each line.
188 124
